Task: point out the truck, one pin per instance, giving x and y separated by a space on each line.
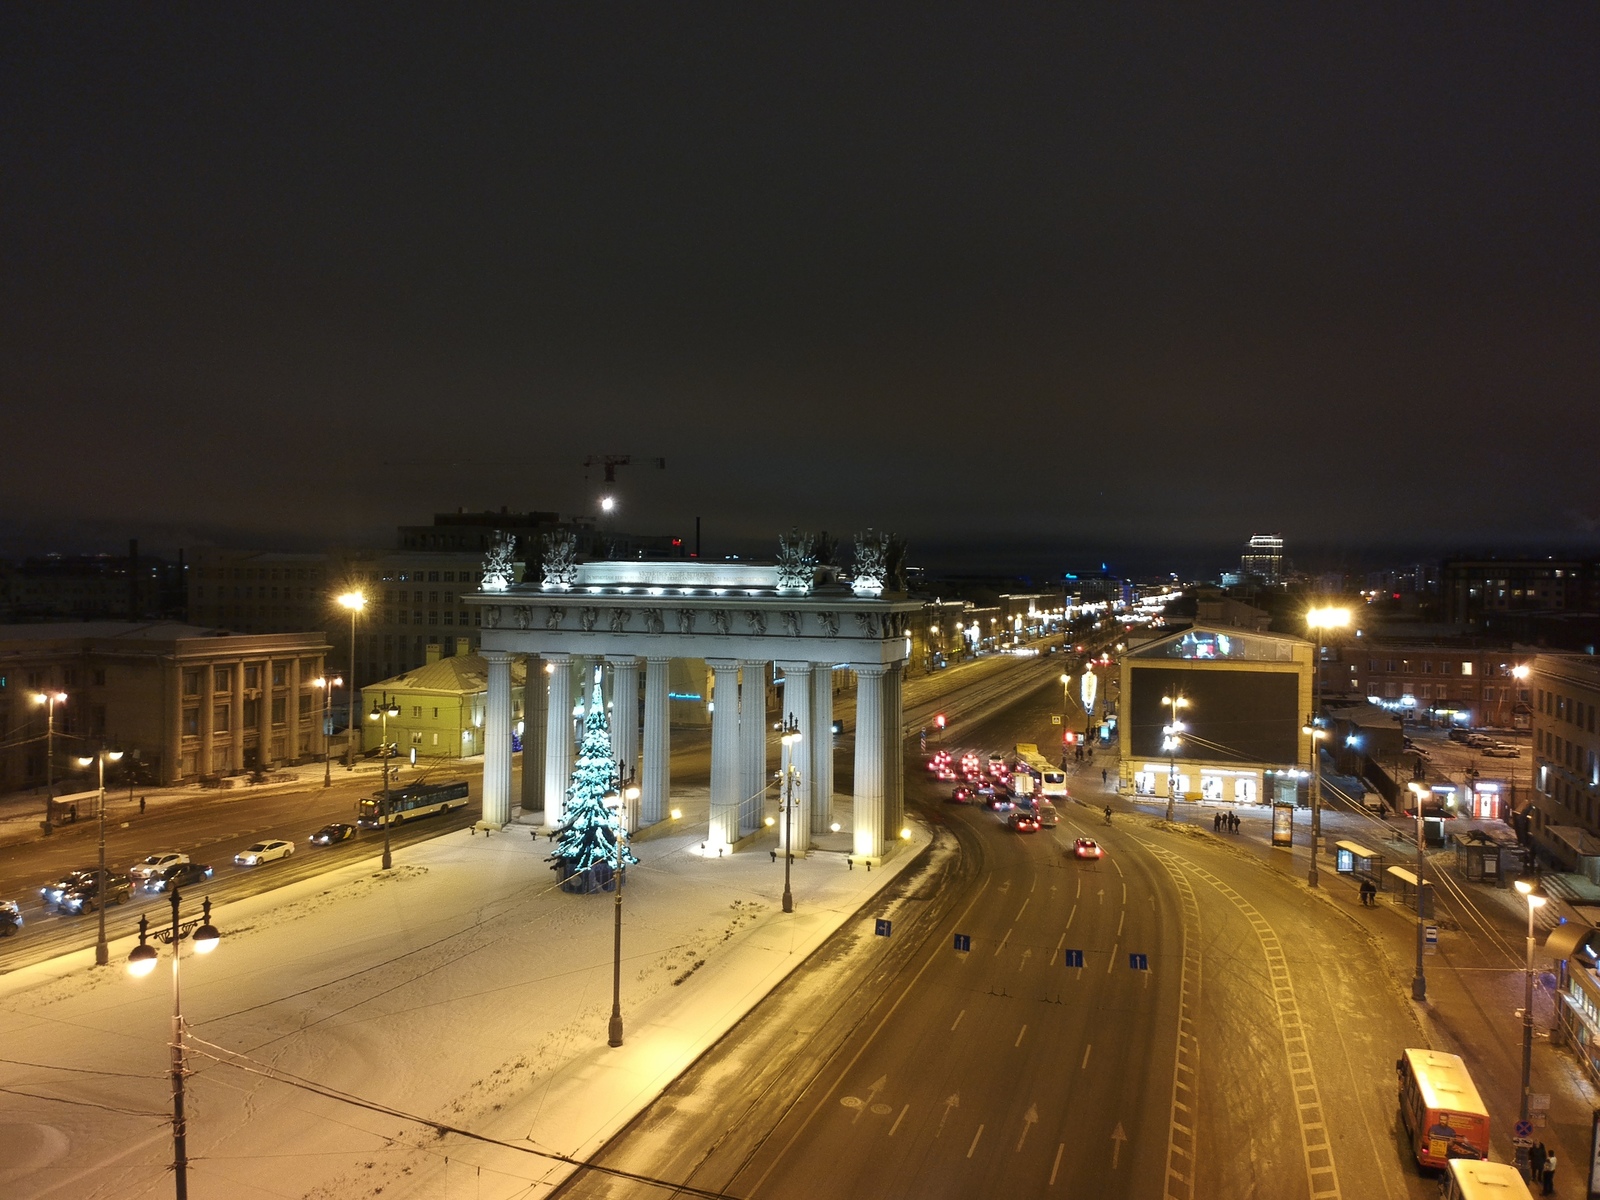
1036 775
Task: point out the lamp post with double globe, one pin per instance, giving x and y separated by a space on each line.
102 954
354 601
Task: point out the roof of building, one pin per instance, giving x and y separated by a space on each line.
462 674
1201 643
140 633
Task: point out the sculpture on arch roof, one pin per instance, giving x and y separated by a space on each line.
498 570
560 564
797 564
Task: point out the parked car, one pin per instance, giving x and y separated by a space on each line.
85 895
148 868
263 852
10 917
180 875
1455 735
1479 740
1501 750
338 831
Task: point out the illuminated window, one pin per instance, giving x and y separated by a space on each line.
1466 668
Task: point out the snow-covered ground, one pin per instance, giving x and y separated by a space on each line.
462 987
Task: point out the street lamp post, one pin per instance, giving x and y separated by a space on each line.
49 700
1419 982
327 683
625 792
1535 898
101 953
1171 739
355 602
1317 620
141 962
382 713
791 774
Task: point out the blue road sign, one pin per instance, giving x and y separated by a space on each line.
883 927
1074 958
963 941
1138 962
1524 1129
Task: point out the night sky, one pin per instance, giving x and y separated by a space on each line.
1071 280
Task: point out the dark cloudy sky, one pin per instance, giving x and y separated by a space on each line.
1080 276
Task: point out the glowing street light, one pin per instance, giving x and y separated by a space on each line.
1318 620
1172 738
355 602
102 954
791 776
327 683
1529 888
49 700
1419 981
382 713
607 503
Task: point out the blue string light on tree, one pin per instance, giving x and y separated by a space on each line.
587 854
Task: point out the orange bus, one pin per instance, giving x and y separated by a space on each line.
1441 1108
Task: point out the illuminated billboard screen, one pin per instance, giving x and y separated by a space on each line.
1238 716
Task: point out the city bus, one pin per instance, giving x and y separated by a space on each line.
1037 775
412 803
1468 1179
1441 1108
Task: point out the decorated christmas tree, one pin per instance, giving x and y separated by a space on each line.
586 854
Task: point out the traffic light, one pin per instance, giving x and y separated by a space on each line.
1069 737
938 720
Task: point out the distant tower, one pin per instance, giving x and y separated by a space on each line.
1263 558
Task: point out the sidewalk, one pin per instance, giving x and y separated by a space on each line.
1475 979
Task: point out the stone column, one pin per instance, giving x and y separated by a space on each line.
868 825
625 710
655 772
264 712
821 789
535 732
497 740
207 701
291 713
172 742
725 757
558 739
894 760
236 718
753 777
794 825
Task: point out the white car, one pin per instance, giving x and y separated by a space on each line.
144 871
263 852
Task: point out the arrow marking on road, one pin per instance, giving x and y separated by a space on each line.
1026 955
1117 1138
975 1138
1102 894
877 1086
954 1101
1029 1120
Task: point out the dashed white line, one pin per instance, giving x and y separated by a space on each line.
1002 944
1020 1033
1068 925
975 1138
1113 960
957 1021
1022 910
897 1120
1085 1063
1063 940
1059 1149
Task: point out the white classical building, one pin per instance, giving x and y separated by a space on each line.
740 619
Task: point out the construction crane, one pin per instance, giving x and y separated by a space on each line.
612 461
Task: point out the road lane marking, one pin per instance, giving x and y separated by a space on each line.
1022 910
1085 1062
1117 1138
862 1049
1068 925
1322 1177
1186 1055
1018 1042
1113 961
897 1120
1078 891
1031 886
1063 940
1057 1166
954 1101
1029 1120
1120 918
1002 944
957 1021
1023 961
975 1138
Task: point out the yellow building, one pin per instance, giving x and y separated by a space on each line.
1242 699
441 705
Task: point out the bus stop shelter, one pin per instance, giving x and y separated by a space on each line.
1404 884
1355 860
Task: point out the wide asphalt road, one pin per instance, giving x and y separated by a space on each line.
1247 1053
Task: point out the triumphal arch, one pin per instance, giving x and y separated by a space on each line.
801 614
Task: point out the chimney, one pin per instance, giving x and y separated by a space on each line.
463 647
433 653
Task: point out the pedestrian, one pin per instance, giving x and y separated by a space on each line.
141 806
1102 777
1549 1174
1536 1157
1216 823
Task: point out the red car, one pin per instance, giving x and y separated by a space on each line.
1024 821
1087 848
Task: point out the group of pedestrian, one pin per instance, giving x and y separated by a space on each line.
1542 1168
1369 893
1225 822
